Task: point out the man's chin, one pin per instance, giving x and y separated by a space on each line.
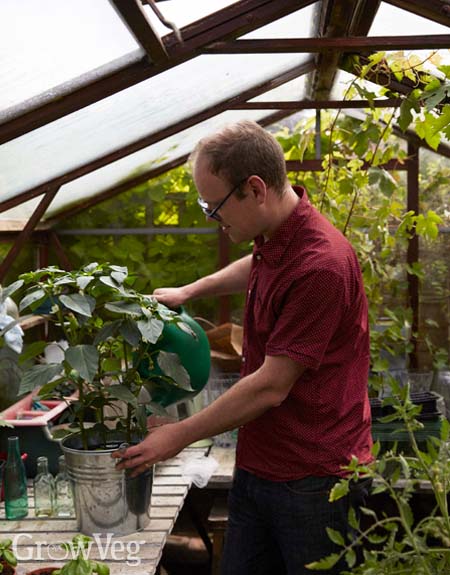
237 239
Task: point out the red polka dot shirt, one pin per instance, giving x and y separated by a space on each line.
306 301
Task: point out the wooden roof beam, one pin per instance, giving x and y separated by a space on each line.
135 18
343 44
436 10
338 18
317 104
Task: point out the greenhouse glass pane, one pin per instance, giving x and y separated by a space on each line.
392 21
397 22
291 91
296 25
141 110
158 154
44 43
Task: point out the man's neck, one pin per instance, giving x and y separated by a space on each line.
282 207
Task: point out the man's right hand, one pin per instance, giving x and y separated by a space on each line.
171 297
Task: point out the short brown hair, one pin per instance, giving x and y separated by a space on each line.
241 150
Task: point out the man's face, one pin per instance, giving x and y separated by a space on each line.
236 216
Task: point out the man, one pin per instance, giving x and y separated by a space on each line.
301 404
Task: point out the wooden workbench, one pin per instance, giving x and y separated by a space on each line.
136 554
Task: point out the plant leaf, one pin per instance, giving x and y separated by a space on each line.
350 557
150 329
118 277
170 364
130 332
109 281
186 328
107 331
31 298
84 281
124 307
335 536
123 393
39 375
84 359
32 350
121 269
79 303
9 557
157 409
48 389
9 290
325 563
339 490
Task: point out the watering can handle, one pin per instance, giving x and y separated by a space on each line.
205 322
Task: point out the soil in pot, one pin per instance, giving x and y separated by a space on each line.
7 569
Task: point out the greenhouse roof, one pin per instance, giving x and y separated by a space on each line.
98 96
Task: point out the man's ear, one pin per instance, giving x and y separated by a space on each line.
258 188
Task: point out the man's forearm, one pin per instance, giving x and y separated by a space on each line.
237 406
246 400
231 279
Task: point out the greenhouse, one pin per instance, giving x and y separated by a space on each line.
183 389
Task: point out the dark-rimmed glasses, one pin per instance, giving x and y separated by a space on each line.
213 213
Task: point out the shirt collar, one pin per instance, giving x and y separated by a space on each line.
272 250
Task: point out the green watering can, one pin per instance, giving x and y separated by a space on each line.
194 354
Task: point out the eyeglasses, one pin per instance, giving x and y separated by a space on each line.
213 213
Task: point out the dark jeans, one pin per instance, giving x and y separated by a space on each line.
275 528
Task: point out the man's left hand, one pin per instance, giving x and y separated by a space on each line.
161 443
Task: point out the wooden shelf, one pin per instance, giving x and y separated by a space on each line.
31 320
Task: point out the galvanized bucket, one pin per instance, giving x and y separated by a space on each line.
106 500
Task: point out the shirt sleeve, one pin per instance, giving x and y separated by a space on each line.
310 314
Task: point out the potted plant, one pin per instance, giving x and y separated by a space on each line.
115 361
8 560
80 562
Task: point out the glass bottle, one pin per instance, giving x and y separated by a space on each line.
15 482
44 489
63 491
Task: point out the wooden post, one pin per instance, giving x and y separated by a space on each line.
64 261
413 247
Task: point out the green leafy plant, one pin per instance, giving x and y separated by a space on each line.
11 344
396 541
80 562
109 329
7 556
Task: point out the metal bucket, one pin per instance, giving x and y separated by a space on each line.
106 500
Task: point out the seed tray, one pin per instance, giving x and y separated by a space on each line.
427 399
